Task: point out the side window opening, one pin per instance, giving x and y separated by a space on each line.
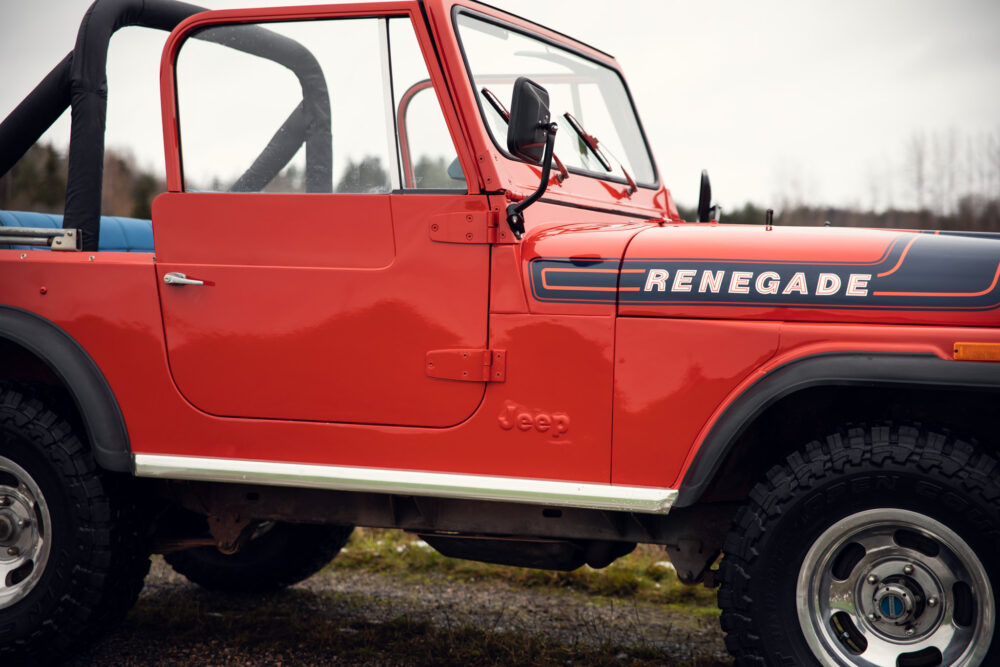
427 156
334 105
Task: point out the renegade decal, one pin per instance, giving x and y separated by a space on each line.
749 282
917 271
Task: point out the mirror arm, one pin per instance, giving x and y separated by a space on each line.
515 217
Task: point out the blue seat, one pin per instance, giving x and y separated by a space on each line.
117 234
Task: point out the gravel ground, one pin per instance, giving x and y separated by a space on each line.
356 617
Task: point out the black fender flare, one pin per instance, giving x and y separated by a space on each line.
99 410
862 369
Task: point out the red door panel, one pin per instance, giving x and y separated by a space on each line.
320 307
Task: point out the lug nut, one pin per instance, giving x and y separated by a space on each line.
13 551
23 523
872 616
872 579
4 501
932 602
907 569
909 631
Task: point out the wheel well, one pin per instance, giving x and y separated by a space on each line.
41 356
794 420
27 372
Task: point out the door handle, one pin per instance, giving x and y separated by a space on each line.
180 280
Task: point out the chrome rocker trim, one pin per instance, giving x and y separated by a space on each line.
408 482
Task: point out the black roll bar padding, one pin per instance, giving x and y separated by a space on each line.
89 99
28 121
278 152
80 81
315 107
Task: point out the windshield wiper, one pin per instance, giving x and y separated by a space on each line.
590 141
503 113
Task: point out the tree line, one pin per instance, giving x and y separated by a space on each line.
38 183
973 213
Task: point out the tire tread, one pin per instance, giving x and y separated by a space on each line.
853 448
110 560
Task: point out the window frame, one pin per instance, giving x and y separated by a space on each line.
381 10
458 10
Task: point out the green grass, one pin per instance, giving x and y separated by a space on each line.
645 574
310 625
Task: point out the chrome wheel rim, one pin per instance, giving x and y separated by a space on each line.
889 583
25 539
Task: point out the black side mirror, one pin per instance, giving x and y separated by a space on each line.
455 172
529 119
530 137
705 198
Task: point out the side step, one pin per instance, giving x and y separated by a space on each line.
551 493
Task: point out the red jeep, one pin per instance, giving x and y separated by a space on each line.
415 269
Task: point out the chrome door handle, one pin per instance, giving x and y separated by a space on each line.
180 280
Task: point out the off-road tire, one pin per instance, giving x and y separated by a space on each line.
284 555
96 556
900 470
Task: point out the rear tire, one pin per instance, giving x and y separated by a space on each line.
878 546
285 554
72 559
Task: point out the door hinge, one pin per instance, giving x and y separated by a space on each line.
467 365
478 227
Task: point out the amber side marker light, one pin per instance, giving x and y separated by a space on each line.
977 351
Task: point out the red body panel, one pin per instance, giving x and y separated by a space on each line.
108 303
270 230
129 349
799 340
670 374
309 343
321 307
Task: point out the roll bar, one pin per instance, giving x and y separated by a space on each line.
80 81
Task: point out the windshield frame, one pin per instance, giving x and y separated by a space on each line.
501 146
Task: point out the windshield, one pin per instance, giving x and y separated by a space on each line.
593 93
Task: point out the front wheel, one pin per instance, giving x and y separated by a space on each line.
878 546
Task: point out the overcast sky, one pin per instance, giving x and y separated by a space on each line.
811 100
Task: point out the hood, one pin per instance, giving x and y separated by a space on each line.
797 274
572 268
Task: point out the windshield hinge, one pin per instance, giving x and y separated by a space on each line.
467 365
55 238
478 227
461 227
